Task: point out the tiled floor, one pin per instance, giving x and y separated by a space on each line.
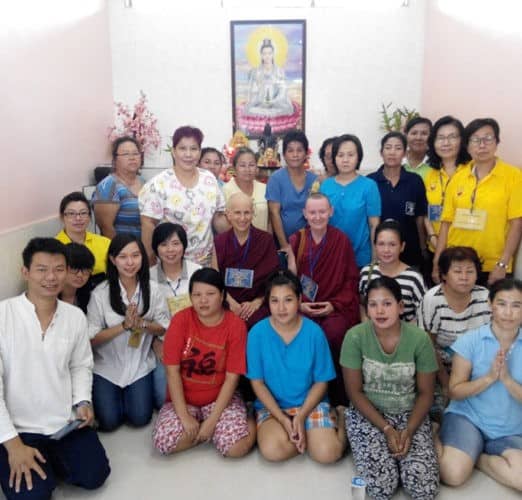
139 473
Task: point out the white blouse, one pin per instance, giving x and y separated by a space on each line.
115 360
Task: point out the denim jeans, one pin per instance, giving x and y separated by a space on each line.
114 405
159 382
78 458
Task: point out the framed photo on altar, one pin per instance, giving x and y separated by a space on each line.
268 76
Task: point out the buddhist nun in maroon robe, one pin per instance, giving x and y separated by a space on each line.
246 256
324 261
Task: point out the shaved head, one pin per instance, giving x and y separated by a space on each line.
239 199
318 196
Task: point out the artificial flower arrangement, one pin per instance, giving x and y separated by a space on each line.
139 123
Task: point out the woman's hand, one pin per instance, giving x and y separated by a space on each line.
287 424
206 430
131 317
497 274
249 308
298 428
393 440
321 309
404 443
316 309
503 372
497 366
190 426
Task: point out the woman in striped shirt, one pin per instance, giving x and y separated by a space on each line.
452 308
389 244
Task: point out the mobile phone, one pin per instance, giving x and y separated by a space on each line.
283 259
67 429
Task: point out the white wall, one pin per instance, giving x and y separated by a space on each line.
56 103
56 106
358 57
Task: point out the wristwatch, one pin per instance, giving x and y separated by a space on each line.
501 264
82 403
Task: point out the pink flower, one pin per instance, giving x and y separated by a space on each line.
139 123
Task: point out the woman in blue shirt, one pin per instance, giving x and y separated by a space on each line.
288 189
355 199
289 365
483 423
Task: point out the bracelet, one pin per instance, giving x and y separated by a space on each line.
430 236
386 427
501 264
123 325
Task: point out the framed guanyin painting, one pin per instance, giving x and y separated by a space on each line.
268 76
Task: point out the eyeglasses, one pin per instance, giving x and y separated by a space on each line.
70 214
452 138
83 272
486 140
128 155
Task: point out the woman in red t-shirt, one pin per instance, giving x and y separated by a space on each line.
204 355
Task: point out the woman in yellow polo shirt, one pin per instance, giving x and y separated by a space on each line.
75 213
447 154
483 205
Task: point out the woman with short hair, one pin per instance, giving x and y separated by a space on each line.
115 200
75 213
482 425
244 181
172 273
288 189
483 206
186 195
76 289
204 355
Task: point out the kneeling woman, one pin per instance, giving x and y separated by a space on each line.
124 314
389 370
290 365
204 355
483 423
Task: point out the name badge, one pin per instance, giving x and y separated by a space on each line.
472 220
310 287
239 278
135 338
176 304
434 212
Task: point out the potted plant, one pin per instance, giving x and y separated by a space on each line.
394 119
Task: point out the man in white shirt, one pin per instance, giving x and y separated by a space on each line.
45 382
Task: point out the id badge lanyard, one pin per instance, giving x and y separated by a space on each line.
244 254
314 259
176 288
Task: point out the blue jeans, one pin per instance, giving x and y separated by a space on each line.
79 458
114 405
159 378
